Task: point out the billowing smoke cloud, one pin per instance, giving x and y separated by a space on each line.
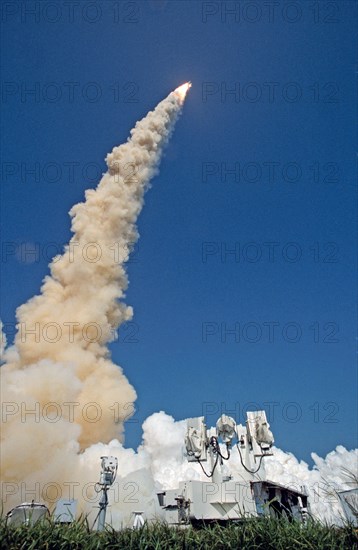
331 474
60 354
160 463
59 385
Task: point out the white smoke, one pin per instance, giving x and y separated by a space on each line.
161 456
160 463
329 475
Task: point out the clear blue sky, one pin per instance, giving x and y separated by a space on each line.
289 133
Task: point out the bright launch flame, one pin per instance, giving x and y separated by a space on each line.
181 91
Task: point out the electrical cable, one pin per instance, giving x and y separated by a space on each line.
95 519
228 452
215 446
202 467
248 469
214 442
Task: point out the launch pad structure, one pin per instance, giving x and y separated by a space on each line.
226 496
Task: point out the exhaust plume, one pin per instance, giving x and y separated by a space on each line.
60 360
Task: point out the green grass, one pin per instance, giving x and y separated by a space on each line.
258 534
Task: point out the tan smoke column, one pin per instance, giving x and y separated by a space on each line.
60 366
